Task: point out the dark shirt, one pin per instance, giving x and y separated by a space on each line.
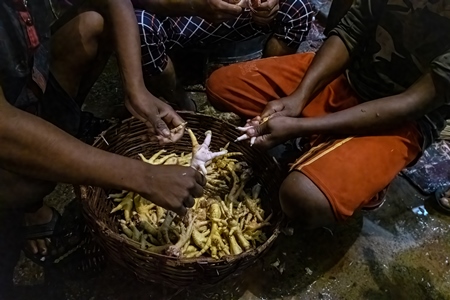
24 50
393 43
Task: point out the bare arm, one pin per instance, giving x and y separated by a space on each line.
332 58
330 61
36 148
373 116
119 15
158 116
33 147
367 118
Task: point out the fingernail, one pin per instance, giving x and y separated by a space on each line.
166 132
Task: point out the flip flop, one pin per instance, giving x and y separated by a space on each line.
64 236
376 201
438 195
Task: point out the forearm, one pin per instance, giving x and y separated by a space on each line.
373 116
330 61
120 17
34 147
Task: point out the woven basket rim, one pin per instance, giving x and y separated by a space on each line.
105 233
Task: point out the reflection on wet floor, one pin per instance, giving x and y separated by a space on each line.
400 251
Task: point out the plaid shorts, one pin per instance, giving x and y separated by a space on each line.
159 34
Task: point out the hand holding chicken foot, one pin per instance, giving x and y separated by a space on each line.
249 125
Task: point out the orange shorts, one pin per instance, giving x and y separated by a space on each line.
350 171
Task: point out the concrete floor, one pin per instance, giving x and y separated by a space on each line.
401 251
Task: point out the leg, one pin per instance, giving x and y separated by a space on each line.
302 200
159 72
75 49
348 173
251 85
291 27
330 171
167 85
276 47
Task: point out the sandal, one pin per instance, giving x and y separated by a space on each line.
376 201
64 235
438 194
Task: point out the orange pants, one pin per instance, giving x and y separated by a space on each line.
350 171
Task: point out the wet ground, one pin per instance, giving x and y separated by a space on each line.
401 251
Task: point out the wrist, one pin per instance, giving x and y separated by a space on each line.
295 104
134 91
139 96
311 126
137 179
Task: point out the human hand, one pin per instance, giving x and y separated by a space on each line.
273 131
264 12
287 107
172 187
216 11
163 123
283 107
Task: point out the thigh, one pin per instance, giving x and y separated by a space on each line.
246 88
154 38
351 171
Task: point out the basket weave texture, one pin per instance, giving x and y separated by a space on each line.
128 138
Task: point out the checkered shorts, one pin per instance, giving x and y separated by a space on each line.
159 34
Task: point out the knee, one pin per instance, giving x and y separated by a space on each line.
293 9
302 201
92 26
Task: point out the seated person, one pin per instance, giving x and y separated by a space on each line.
165 24
374 96
42 76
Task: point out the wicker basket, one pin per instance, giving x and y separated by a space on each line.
128 139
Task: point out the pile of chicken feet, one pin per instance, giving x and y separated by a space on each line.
227 220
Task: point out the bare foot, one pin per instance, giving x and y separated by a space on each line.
42 216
